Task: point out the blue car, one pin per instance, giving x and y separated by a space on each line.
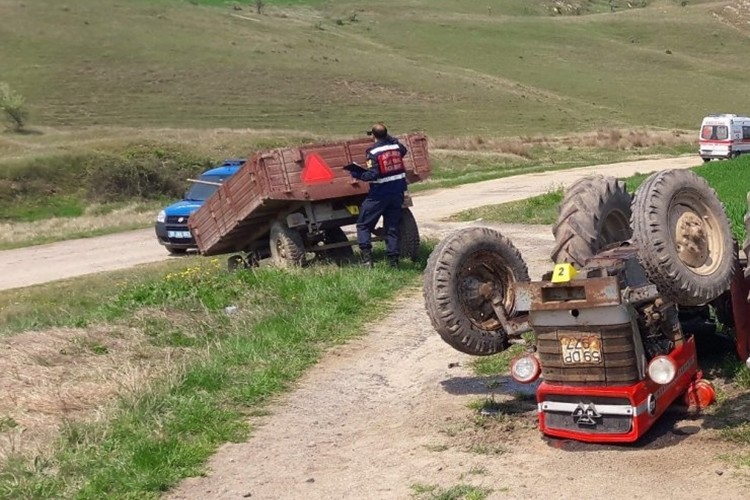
171 223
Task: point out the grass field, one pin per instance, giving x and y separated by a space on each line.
449 68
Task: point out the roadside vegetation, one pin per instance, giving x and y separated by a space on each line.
157 372
458 492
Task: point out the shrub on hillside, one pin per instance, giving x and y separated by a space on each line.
140 172
144 172
37 177
13 106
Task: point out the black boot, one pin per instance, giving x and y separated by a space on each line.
366 257
393 261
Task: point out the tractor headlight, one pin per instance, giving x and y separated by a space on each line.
662 370
747 363
525 369
161 217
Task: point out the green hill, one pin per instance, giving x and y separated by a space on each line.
331 67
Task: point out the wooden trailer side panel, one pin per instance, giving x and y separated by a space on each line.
276 183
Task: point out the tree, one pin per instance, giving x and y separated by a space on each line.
14 106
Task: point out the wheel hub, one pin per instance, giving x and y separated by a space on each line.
479 282
281 247
692 240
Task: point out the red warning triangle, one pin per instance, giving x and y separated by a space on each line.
316 170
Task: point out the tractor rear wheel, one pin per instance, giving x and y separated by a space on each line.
464 273
594 213
683 236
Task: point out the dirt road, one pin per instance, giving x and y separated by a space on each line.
40 264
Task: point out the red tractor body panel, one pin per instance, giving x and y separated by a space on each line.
638 406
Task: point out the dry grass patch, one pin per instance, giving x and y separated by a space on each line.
130 216
623 139
54 377
513 146
609 139
218 142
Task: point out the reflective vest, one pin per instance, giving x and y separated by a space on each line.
390 162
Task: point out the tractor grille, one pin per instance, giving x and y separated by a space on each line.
600 423
617 366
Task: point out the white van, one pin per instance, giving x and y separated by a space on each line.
724 136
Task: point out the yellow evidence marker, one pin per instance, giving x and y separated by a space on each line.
563 273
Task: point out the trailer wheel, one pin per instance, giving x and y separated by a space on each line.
340 254
408 236
235 262
463 273
684 238
287 246
594 213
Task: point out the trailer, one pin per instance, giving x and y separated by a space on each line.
291 203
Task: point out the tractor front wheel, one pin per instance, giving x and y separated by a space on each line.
464 273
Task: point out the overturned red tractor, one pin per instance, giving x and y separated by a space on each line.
615 323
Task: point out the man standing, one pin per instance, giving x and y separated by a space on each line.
387 177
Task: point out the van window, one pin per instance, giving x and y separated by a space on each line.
715 132
202 192
745 132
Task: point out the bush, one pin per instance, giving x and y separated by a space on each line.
142 172
14 106
139 173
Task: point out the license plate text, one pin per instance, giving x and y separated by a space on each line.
581 351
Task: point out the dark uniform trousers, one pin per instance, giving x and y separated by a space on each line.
389 207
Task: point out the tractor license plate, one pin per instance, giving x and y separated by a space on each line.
353 209
581 350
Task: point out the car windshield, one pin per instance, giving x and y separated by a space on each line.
201 192
715 132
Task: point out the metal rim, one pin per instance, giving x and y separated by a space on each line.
695 229
281 248
481 277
